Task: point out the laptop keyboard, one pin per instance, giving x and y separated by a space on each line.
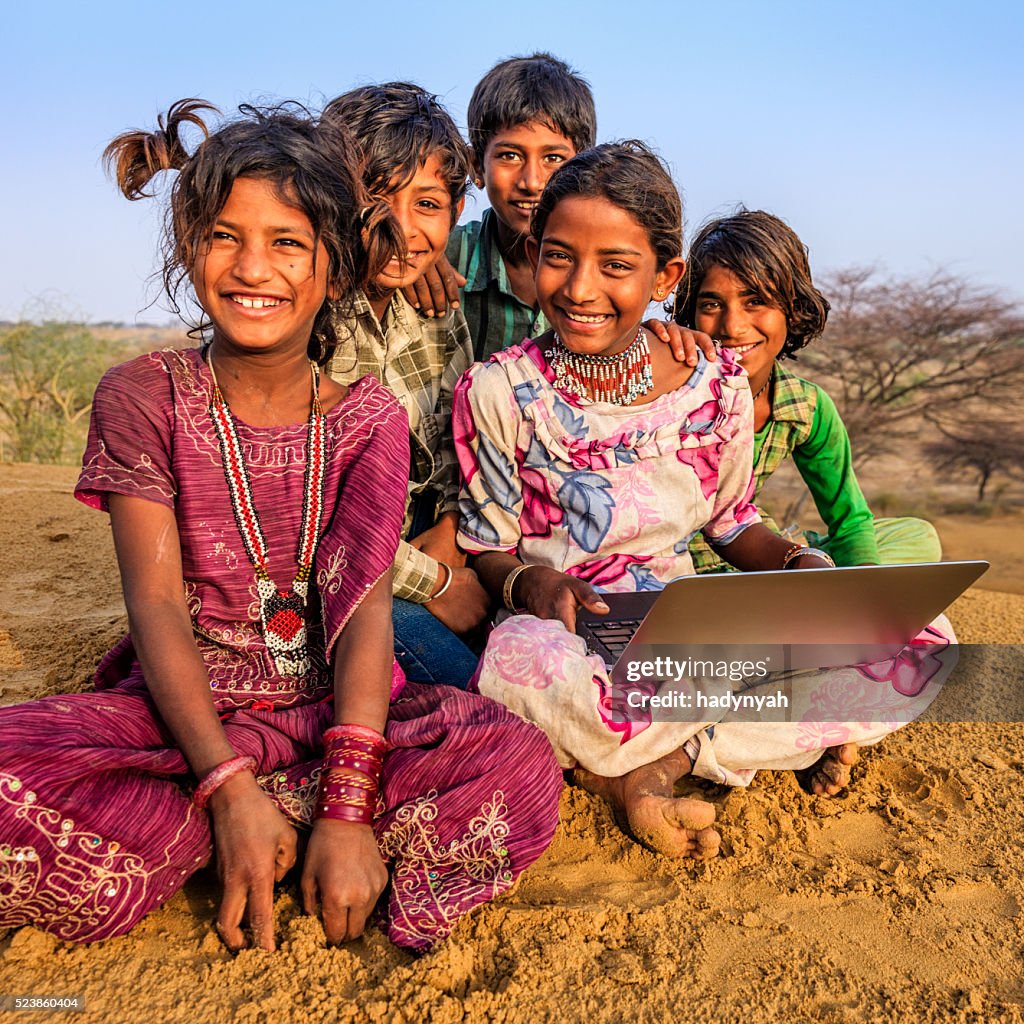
615 635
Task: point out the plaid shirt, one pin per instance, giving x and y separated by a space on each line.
806 425
793 404
497 318
419 359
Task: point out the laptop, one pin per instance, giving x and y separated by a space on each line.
796 618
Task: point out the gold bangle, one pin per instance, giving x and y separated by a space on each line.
799 550
819 553
506 590
444 586
794 552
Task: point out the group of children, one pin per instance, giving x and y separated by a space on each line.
339 428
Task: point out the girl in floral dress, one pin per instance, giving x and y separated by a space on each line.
590 460
255 506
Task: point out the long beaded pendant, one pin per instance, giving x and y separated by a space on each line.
619 379
282 612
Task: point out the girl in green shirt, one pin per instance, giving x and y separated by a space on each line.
748 284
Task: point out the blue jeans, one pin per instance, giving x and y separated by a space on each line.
427 650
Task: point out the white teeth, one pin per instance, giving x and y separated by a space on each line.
743 349
579 318
249 303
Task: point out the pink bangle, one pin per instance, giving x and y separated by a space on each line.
216 777
354 732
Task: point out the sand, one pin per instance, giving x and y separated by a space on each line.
899 901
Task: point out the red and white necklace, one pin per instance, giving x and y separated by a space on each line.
282 612
619 379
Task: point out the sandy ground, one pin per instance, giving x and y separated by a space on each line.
899 901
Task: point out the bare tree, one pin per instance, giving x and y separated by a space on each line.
986 448
898 353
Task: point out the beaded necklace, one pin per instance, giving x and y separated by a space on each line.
282 612
618 379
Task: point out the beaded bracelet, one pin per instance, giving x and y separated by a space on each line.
823 555
216 777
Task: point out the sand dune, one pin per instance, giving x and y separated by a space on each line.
899 901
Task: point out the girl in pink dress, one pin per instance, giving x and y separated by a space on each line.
590 460
256 506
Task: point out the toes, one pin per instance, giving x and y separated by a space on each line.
846 754
708 842
833 772
676 827
689 814
823 786
830 777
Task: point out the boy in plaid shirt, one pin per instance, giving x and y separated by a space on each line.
417 168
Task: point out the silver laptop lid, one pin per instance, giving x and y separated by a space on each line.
827 616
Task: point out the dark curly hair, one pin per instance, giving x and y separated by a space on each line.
631 176
765 253
538 88
314 168
397 126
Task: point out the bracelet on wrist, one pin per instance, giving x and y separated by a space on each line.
216 777
353 732
506 590
799 550
444 586
350 776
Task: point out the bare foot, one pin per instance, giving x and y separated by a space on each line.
674 826
832 772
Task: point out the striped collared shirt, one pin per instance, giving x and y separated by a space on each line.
497 318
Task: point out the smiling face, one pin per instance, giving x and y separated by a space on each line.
258 280
596 272
423 208
739 318
517 164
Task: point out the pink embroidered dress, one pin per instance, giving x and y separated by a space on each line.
96 822
613 495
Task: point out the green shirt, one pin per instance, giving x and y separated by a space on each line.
806 425
497 318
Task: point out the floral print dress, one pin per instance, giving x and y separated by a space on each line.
613 495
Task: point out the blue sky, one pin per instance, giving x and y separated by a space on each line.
885 133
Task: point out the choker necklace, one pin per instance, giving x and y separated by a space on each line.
617 379
764 387
282 612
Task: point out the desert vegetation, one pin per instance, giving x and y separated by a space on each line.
928 374
49 368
